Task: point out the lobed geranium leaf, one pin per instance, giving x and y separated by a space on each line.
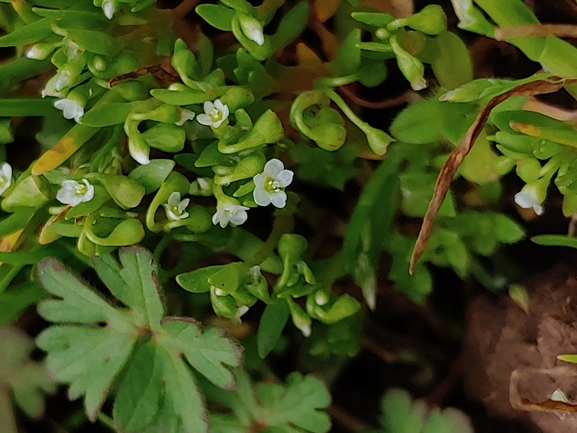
158 391
21 378
295 407
400 414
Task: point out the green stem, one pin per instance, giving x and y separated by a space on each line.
336 81
107 421
363 126
9 277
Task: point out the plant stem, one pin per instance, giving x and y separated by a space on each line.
107 421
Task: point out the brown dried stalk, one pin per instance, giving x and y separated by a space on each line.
559 30
456 158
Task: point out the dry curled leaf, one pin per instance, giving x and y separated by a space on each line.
456 158
160 72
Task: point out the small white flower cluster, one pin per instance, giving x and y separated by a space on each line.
73 193
230 213
215 113
528 198
269 188
269 185
71 109
176 208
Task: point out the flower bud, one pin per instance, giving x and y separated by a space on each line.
223 306
109 7
252 28
431 20
299 317
410 66
41 50
137 146
201 186
257 284
251 37
533 195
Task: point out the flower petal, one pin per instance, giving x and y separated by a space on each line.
525 200
204 119
273 167
239 216
89 194
174 199
218 105
284 178
261 197
183 205
208 106
278 198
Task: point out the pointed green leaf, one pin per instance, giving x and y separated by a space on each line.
272 323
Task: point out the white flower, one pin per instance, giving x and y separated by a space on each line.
5 177
215 114
74 193
527 198
109 8
71 109
230 213
185 115
176 208
268 184
252 28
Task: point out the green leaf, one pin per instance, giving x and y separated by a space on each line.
16 221
507 230
400 414
152 175
452 64
369 224
91 357
91 40
429 120
375 19
25 107
219 17
297 406
21 378
28 34
197 281
16 299
140 397
272 323
291 26
555 240
568 358
106 115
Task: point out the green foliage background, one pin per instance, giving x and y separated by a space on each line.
135 107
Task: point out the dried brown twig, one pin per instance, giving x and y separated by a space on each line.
456 158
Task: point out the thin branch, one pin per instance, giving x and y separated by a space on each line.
347 421
559 30
387 103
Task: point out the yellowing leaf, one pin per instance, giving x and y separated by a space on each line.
324 9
